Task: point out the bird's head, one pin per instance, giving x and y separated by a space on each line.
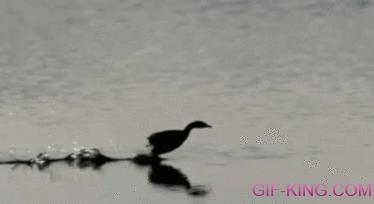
198 124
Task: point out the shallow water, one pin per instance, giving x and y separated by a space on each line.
287 86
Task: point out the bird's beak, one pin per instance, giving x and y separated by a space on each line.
209 126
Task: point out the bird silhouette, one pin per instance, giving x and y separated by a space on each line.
169 140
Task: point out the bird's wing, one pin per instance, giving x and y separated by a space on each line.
161 137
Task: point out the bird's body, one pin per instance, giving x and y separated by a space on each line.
166 141
169 140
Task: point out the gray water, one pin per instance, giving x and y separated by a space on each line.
287 85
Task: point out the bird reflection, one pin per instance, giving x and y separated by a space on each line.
167 176
170 178
159 174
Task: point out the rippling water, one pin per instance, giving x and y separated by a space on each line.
287 86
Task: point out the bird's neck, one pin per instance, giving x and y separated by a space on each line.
188 129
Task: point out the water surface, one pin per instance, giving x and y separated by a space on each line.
287 86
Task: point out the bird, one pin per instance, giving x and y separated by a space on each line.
169 140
